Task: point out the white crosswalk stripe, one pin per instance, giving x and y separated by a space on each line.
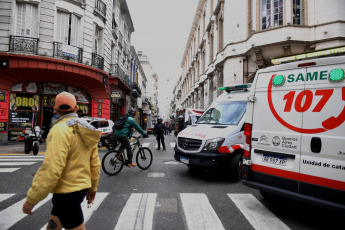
140 209
258 216
18 160
14 213
199 212
138 212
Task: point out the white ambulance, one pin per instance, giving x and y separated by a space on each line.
295 130
192 115
216 140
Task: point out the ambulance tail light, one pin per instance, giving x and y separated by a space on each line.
306 64
248 135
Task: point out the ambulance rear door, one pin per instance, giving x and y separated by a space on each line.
275 155
322 172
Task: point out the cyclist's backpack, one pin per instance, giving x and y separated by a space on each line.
119 123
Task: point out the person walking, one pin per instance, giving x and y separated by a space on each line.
159 131
181 124
122 135
71 167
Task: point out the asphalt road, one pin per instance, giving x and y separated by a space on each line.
166 196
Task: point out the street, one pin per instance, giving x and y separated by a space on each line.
166 196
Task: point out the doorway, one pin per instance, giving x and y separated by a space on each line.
48 113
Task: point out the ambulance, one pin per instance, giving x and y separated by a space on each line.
295 129
216 140
192 115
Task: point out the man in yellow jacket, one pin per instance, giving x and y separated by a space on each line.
71 167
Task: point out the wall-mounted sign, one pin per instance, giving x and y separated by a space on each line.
105 80
3 126
49 101
99 113
70 51
116 94
20 101
2 95
3 113
21 119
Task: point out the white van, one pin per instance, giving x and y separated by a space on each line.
295 131
216 140
192 115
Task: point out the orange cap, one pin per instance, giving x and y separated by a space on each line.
65 98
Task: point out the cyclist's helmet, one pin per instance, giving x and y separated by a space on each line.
131 111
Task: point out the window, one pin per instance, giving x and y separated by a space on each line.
26 20
98 40
297 12
68 29
271 13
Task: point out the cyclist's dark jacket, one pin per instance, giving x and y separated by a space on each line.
130 123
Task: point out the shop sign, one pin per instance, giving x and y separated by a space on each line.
83 108
70 51
21 101
116 94
49 101
3 113
3 126
2 95
21 119
99 113
12 135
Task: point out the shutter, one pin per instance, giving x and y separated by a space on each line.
75 30
62 27
32 20
20 20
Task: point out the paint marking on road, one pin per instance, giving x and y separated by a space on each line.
16 163
138 212
5 196
146 144
8 170
172 144
14 213
22 159
87 212
256 213
21 156
199 213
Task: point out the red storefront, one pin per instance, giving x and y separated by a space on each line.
29 84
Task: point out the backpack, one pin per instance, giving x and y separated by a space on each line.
119 123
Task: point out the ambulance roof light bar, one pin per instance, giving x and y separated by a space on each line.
314 54
235 87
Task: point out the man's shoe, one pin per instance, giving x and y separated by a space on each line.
132 165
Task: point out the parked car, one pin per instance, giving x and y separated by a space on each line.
101 124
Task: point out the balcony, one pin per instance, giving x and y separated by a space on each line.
23 44
116 71
68 52
101 8
97 61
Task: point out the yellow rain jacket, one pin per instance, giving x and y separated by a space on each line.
71 162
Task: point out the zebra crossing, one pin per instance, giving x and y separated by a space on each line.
140 210
12 163
172 144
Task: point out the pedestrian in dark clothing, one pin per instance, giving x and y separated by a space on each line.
159 131
181 124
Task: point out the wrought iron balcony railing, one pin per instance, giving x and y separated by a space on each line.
68 51
97 61
101 7
115 70
23 44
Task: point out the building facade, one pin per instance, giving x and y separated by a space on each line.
79 46
230 40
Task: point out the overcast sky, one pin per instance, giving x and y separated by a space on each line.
161 31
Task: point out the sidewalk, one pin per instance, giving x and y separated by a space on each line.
18 147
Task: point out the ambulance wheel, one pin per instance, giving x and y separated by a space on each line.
235 168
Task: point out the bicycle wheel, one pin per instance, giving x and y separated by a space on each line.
144 158
112 162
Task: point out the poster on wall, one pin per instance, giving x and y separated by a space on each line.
99 113
21 101
3 126
2 96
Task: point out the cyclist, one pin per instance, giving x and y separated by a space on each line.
123 134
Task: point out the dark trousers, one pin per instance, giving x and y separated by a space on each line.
160 138
125 143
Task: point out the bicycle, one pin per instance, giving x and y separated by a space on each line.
114 160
